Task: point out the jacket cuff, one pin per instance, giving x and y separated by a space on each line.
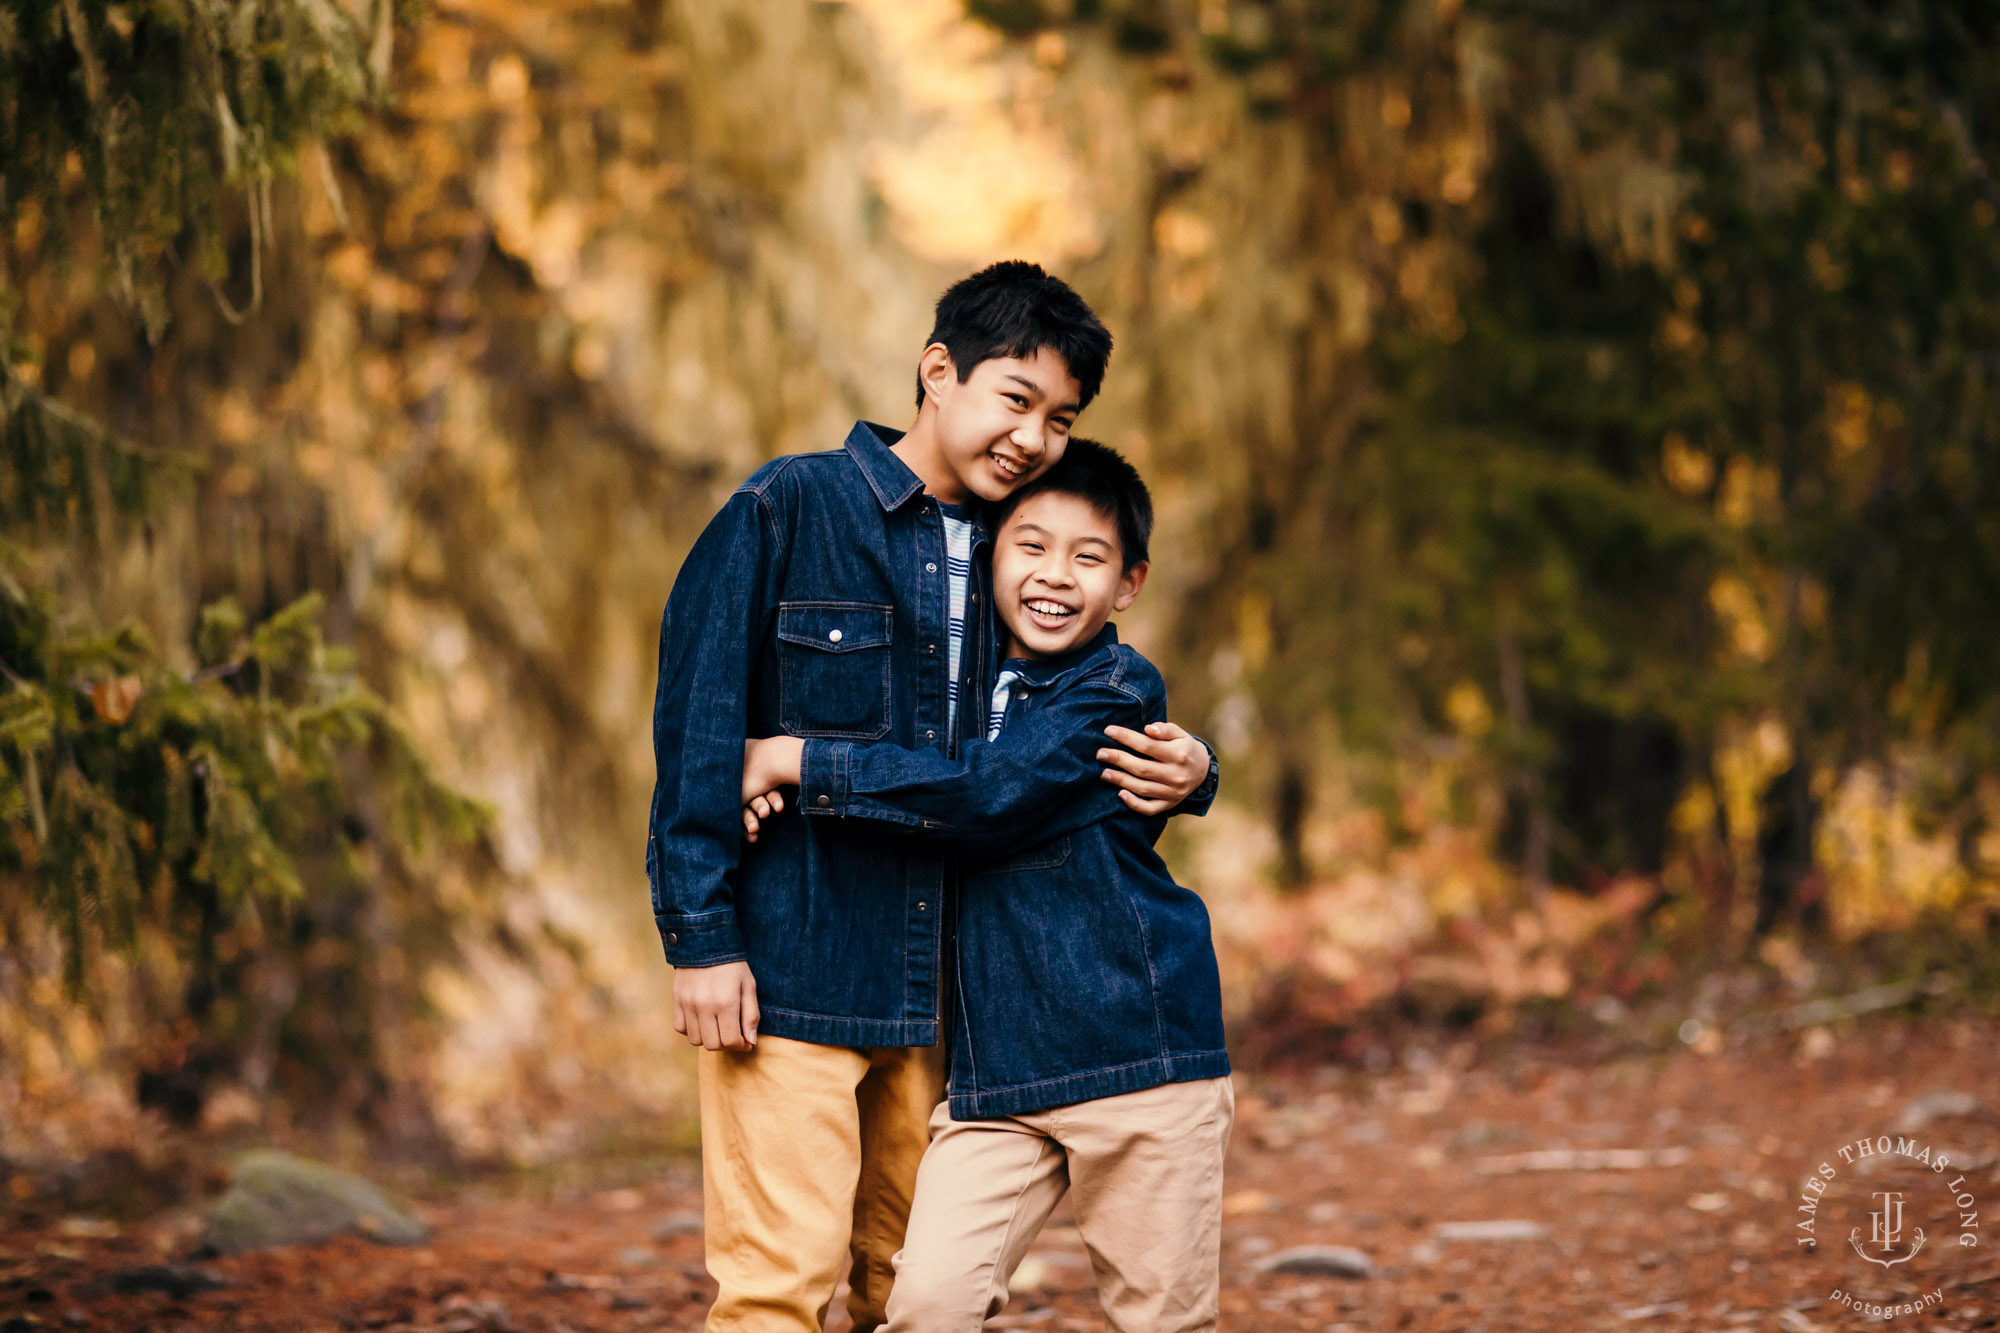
701 939
823 788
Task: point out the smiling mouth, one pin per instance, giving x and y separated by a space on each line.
1007 467
1047 614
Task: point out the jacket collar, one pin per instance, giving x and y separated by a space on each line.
892 480
887 475
1038 672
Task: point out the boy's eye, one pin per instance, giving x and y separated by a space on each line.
1031 546
1017 400
1060 425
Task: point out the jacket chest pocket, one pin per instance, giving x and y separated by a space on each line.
833 669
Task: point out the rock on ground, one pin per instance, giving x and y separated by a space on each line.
684 1223
1933 1106
1319 1261
277 1199
1505 1229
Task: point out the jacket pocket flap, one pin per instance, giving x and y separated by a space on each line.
1042 856
834 627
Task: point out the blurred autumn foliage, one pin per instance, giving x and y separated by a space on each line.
1573 430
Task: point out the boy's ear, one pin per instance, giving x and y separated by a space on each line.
937 372
1129 585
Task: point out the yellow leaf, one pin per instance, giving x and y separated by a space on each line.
1244 1202
115 698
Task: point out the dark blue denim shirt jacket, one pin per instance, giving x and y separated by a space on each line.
1082 970
814 605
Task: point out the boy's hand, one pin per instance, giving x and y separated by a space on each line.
772 761
715 1008
758 809
1159 768
768 764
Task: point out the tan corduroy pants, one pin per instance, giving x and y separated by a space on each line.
809 1153
1146 1171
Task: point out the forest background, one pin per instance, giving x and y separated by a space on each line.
1573 428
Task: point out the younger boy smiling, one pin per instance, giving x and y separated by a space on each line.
843 594
1089 1052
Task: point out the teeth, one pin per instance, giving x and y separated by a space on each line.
1049 608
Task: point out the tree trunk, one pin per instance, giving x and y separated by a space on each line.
1788 885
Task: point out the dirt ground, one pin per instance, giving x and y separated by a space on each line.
1647 1192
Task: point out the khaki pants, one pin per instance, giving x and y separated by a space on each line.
1146 1171
809 1153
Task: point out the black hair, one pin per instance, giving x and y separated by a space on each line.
1013 308
1098 475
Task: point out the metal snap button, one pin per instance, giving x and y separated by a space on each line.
673 937
825 801
923 907
930 567
930 735
833 636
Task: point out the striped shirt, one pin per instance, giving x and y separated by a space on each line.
958 573
1002 688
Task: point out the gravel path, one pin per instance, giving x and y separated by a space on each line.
1515 1190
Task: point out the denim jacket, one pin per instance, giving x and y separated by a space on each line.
1082 969
813 605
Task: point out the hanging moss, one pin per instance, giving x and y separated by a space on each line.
213 825
1675 396
161 117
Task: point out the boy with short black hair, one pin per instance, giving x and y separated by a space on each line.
845 595
1089 1051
